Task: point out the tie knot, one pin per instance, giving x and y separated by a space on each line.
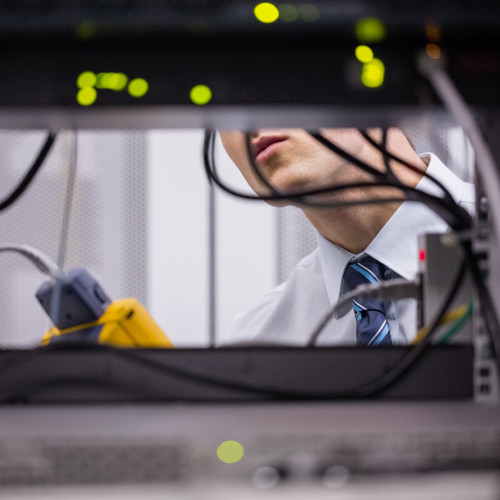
363 272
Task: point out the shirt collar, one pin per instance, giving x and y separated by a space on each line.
396 244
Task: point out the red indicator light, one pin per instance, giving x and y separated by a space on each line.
422 255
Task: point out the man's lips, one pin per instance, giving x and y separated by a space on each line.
263 147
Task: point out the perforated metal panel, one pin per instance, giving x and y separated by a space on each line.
295 238
107 225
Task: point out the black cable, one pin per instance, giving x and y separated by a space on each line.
457 217
408 165
487 306
209 378
383 149
27 179
200 375
461 221
408 359
448 213
212 176
491 321
448 93
453 214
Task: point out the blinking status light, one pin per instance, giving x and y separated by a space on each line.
86 96
88 81
200 95
372 74
138 87
266 12
363 53
370 30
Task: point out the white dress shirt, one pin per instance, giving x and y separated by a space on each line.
289 313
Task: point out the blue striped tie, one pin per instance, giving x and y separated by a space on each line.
371 324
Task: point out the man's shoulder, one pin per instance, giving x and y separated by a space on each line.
308 269
283 315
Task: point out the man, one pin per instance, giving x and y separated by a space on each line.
359 236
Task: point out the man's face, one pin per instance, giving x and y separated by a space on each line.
293 161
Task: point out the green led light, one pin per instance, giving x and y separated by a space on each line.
102 80
288 12
200 94
117 81
363 53
372 74
230 452
138 87
370 29
308 12
266 13
86 79
86 96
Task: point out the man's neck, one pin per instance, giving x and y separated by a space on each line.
354 227
351 229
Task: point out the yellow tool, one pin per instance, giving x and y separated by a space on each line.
81 311
125 323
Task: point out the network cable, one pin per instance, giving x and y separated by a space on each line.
204 376
449 213
39 259
387 154
448 93
30 175
446 207
398 288
452 213
264 391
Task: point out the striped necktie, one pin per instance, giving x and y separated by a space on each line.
371 324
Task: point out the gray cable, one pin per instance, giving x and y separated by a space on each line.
42 261
212 266
433 70
399 288
63 242
68 202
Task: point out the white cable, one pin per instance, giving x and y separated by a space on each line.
399 288
42 261
433 70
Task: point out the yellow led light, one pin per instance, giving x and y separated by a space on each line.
200 94
288 12
363 53
308 12
370 29
433 51
138 87
86 79
266 12
86 96
230 452
373 73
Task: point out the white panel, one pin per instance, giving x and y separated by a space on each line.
246 247
178 255
177 236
